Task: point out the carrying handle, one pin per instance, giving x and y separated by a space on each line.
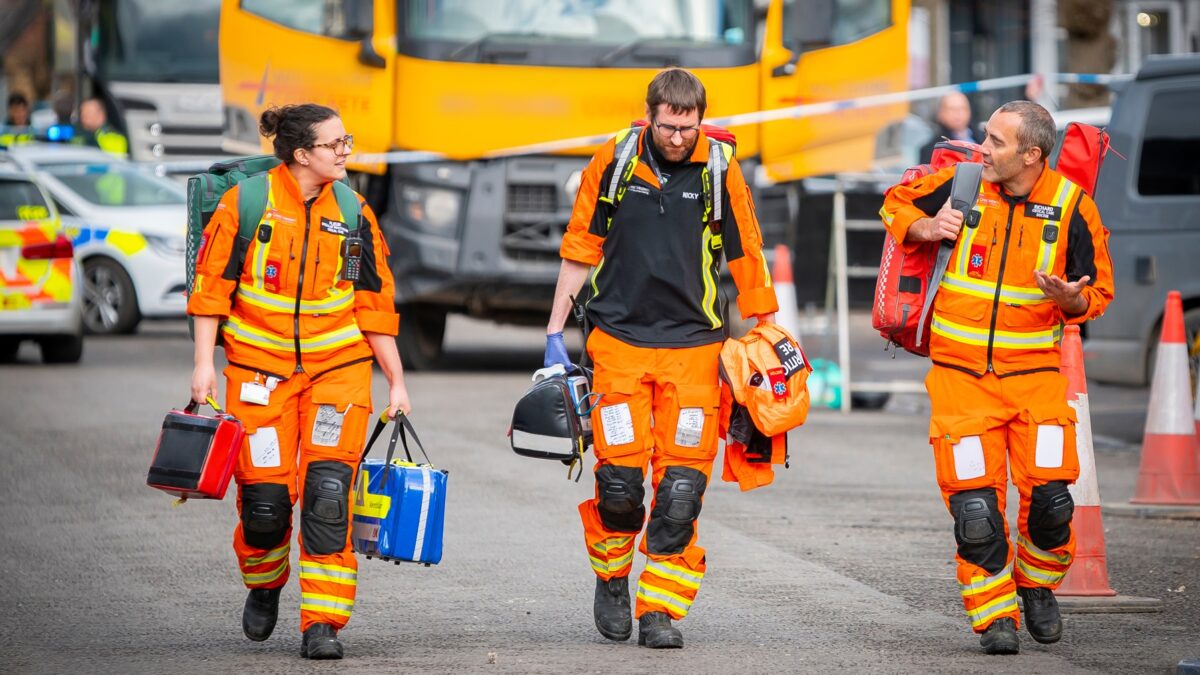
191 407
402 426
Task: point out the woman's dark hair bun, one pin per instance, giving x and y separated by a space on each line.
293 126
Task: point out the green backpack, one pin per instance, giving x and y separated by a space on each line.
205 190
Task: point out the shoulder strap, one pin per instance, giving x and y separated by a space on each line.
626 161
252 201
714 180
348 203
964 190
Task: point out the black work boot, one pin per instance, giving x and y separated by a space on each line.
656 632
1042 619
1001 637
611 608
320 642
260 613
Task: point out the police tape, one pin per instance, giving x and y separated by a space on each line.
757 117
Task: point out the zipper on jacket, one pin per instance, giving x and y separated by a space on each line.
300 282
999 280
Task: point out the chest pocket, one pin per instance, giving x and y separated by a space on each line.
326 266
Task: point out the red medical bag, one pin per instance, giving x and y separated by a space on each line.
196 453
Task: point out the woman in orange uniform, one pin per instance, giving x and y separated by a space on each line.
303 307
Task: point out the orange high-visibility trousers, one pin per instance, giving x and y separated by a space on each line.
656 406
981 428
302 447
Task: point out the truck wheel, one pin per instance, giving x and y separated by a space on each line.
109 301
1191 337
8 349
422 330
62 348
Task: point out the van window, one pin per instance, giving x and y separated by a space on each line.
1170 157
322 17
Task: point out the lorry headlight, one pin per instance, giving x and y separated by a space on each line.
433 209
168 247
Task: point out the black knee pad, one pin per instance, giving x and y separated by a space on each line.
979 529
676 507
1050 512
620 492
266 514
326 514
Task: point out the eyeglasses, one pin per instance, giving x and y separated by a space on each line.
668 130
343 144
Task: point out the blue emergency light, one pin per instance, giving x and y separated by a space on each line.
60 133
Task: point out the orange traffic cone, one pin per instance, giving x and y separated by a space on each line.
1170 468
785 292
1197 397
1089 572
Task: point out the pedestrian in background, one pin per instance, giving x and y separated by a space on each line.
307 304
953 122
1036 259
97 132
658 332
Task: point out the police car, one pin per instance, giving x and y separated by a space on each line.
127 226
40 281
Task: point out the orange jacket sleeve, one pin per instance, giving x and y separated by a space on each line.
212 292
1087 255
904 205
742 242
589 219
375 308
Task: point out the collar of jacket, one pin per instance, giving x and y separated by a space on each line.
699 153
1047 175
285 178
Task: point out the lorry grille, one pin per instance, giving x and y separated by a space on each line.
533 228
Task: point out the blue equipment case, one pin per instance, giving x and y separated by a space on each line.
399 507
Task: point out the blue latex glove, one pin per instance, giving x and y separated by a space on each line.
556 351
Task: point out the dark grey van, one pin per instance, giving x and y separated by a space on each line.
1150 202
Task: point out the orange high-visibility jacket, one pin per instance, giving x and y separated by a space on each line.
288 308
989 314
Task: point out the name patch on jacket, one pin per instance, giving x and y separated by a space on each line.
640 189
1043 211
334 227
791 357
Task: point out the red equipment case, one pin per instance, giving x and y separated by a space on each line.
196 453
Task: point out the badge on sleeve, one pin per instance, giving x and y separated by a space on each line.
977 263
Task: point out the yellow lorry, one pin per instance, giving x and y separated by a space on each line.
462 79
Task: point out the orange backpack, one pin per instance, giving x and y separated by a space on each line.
767 373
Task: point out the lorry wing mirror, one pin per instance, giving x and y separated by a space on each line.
360 24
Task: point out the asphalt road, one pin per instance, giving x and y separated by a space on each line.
844 564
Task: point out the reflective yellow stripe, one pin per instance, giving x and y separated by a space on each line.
265 577
885 216
1043 339
329 604
980 615
611 566
317 343
980 288
260 250
964 248
680 575
655 595
273 302
710 283
335 573
606 545
980 584
1038 574
1045 556
596 273
1048 251
269 556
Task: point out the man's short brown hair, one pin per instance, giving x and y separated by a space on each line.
679 89
1036 129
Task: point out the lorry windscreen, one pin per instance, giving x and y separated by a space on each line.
155 41
610 33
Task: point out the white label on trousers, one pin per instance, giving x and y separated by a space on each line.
690 427
1049 451
968 458
327 426
617 423
264 448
